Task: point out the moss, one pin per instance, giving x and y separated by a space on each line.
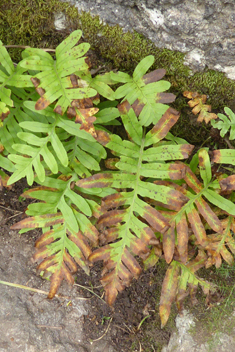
31 22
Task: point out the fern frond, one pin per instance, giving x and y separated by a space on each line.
98 83
59 195
33 149
11 124
225 123
60 248
179 282
9 76
189 217
144 92
127 220
47 145
54 81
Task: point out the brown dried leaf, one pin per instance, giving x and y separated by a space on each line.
154 76
84 117
228 183
4 115
211 218
102 137
111 162
42 103
197 102
197 226
163 126
38 221
197 263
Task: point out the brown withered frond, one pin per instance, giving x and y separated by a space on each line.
197 102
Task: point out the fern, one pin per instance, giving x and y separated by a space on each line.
10 76
144 92
125 217
143 202
226 123
54 81
60 247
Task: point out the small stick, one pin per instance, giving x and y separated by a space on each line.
104 332
13 216
36 290
50 327
15 211
228 143
85 288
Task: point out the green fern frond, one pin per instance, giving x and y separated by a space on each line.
226 123
33 149
53 82
47 146
58 195
144 91
9 76
98 83
126 218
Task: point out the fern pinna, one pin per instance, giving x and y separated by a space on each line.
144 204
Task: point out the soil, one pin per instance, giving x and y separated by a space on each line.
78 320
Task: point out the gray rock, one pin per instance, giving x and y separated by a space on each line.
190 26
184 341
28 321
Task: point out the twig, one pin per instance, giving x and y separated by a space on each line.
15 211
13 216
228 143
104 332
128 328
85 288
36 290
119 327
50 327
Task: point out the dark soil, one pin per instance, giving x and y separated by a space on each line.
30 320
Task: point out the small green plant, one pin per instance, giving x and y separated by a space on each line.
225 123
57 123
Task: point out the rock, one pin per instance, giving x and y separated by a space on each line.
195 59
202 29
184 340
30 322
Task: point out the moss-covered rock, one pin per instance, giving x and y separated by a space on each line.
30 22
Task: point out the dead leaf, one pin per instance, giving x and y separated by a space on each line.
197 102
